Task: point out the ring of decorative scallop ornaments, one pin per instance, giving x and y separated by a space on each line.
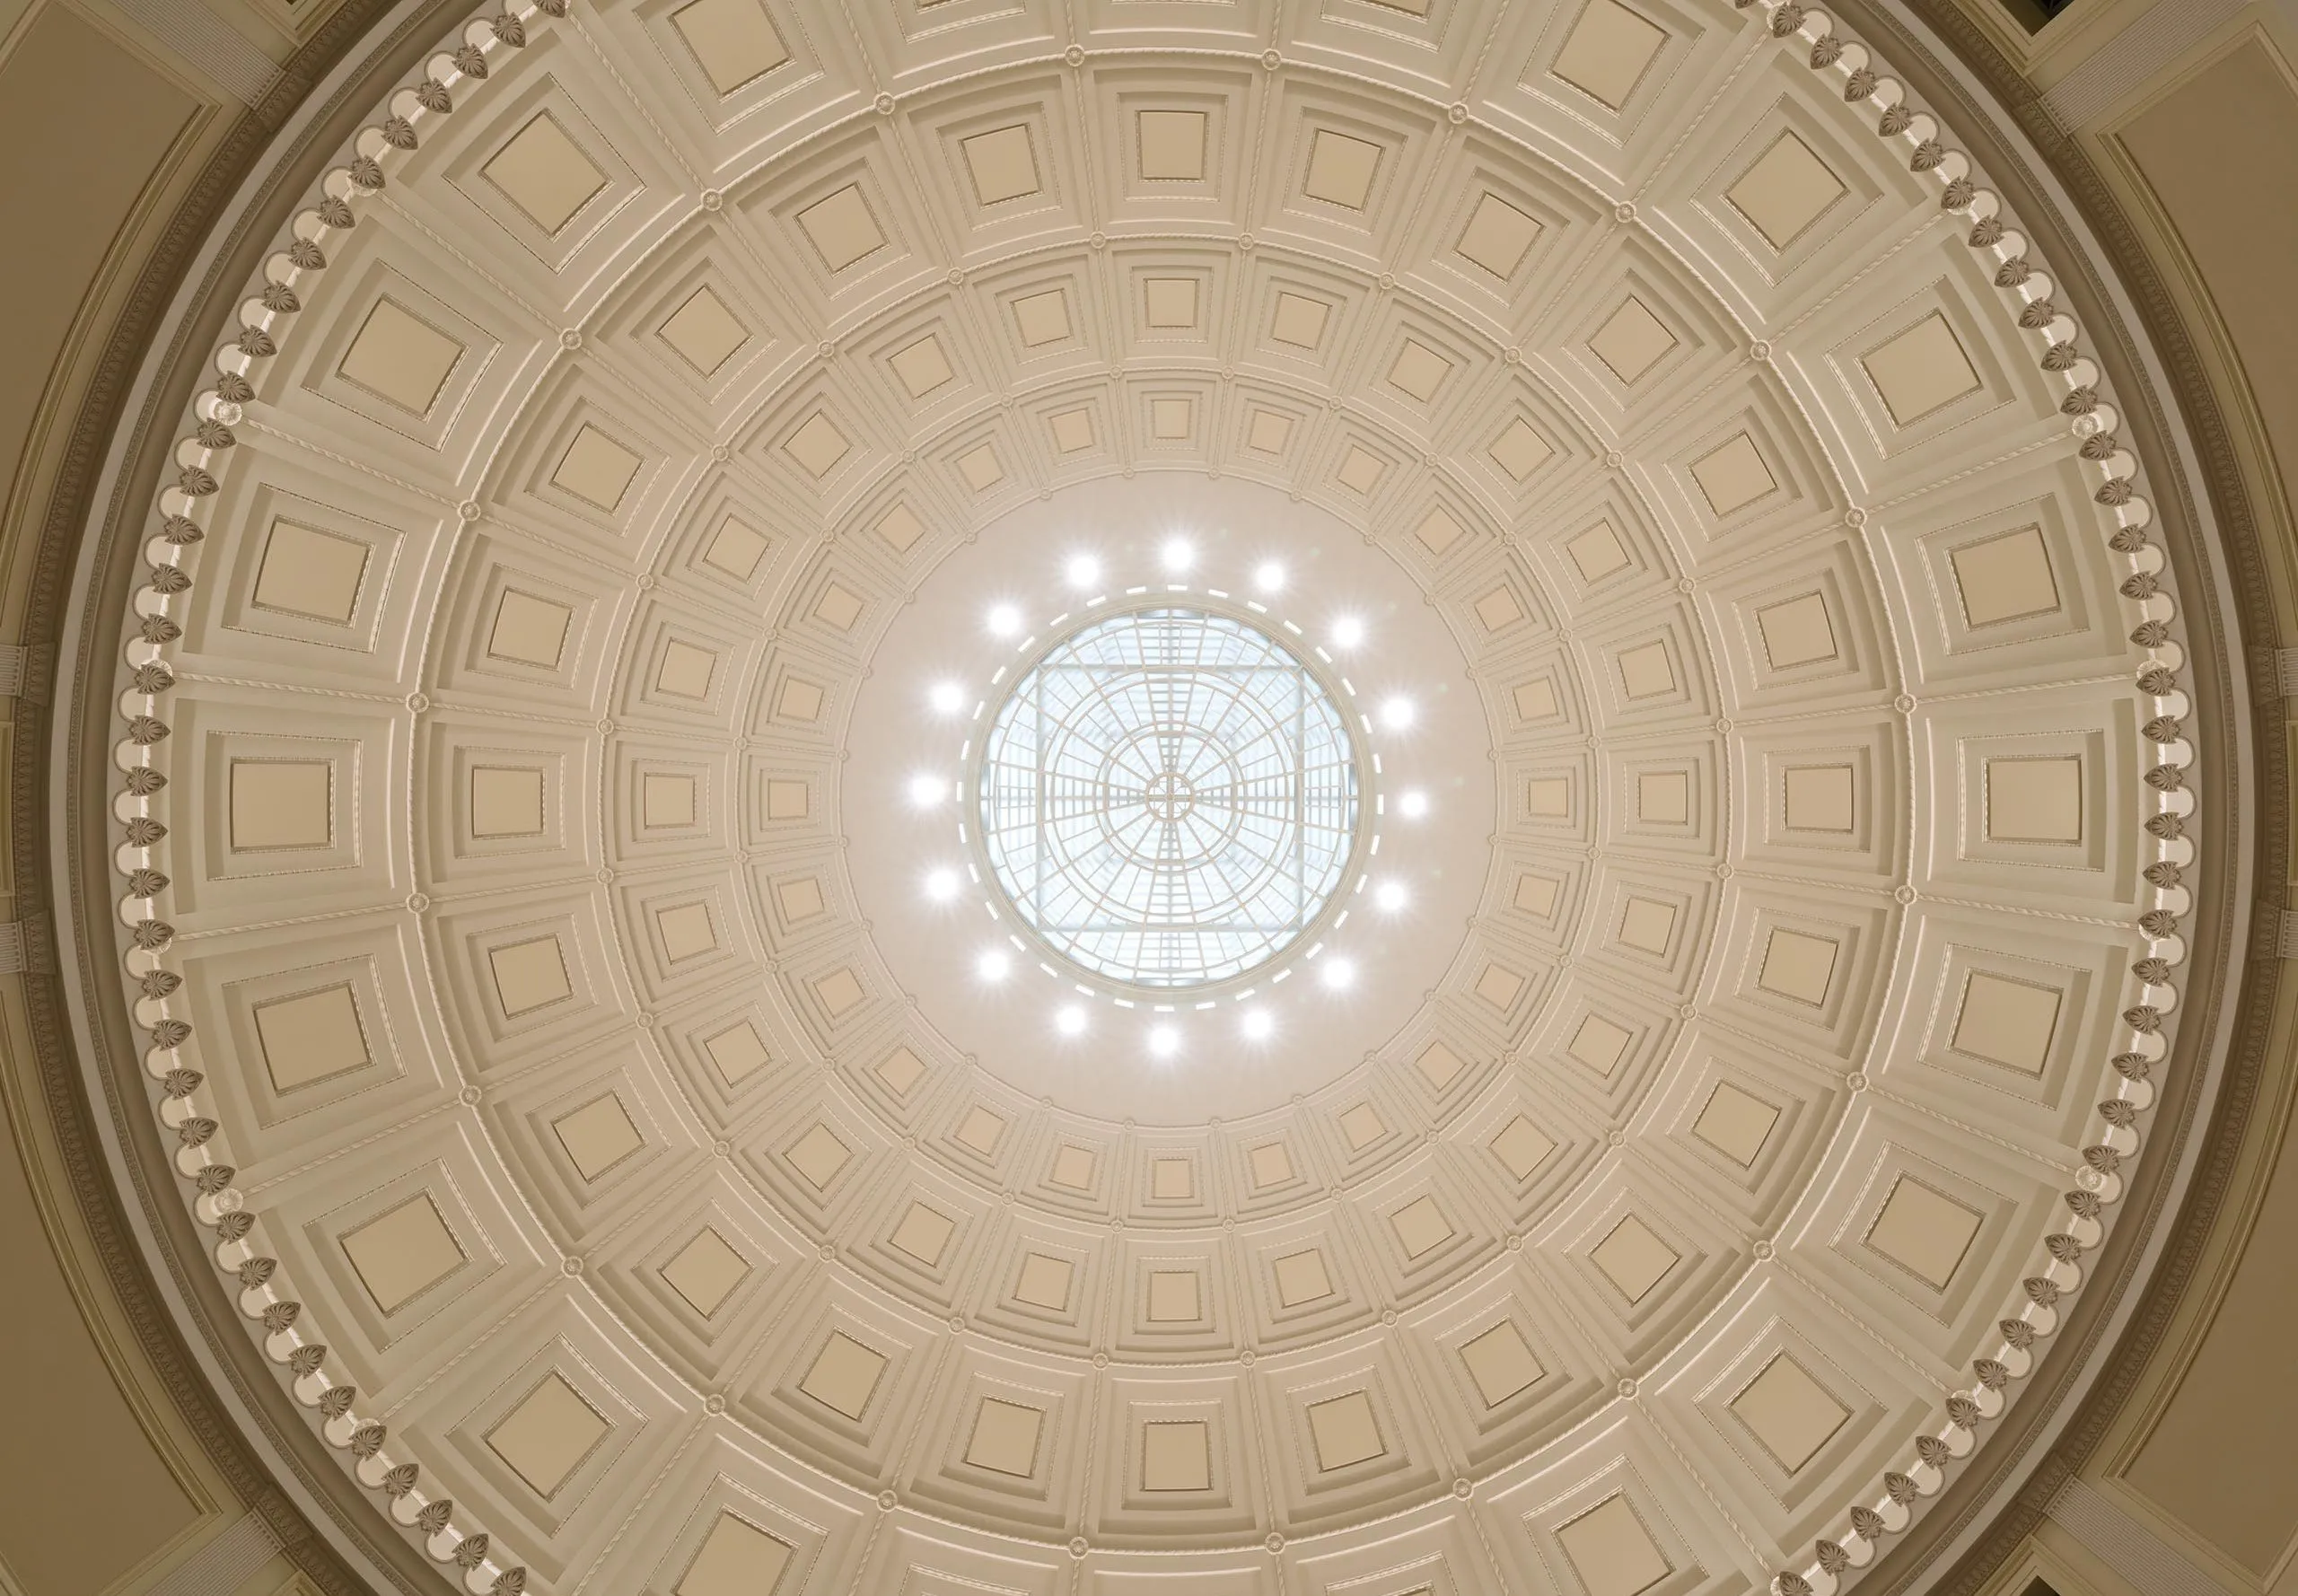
1621 1112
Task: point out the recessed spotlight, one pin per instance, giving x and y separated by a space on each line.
1070 1022
994 965
947 698
1165 1041
1269 577
1177 556
1338 975
1347 632
1083 571
1412 804
1396 714
1391 896
927 791
941 885
1003 621
1258 1026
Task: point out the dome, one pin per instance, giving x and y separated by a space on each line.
982 796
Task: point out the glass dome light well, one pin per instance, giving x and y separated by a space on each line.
1169 797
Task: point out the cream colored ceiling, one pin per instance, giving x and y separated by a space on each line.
619 406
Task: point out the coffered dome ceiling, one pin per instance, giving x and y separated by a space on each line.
651 1146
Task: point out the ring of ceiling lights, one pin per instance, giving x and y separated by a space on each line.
1117 817
238 1153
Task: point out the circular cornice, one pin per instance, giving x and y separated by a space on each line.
197 1129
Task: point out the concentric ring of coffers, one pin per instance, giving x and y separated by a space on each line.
614 961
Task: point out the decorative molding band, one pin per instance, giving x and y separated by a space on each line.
2287 937
2153 1567
2132 56
12 669
225 1563
12 947
2286 670
210 45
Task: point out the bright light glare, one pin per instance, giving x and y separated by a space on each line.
1391 896
994 965
1396 714
1177 556
1268 577
1070 1022
941 885
947 698
1347 632
1083 571
1165 1041
1338 973
927 791
1258 1026
1413 804
1004 621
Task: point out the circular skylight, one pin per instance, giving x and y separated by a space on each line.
1168 798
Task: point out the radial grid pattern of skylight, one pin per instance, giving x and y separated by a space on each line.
1169 798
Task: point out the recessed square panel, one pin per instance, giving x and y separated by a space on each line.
900 528
1045 1282
1596 553
1171 1179
1359 469
596 468
528 630
817 445
598 1135
979 1130
545 174
282 803
842 229
1269 432
1632 340
1633 1257
2007 577
2007 1023
400 357
1663 798
1421 1226
1786 191
1791 1414
844 1375
1169 303
1797 631
1924 1231
1361 1126
1647 924
1170 419
923 1234
1002 163
2036 800
546 1436
734 40
1176 1456
1439 1065
1173 1297
1498 236
1522 1147
310 572
1300 320
530 975
1536 894
685 671
902 1071
404 1252
310 1036
837 607
1042 318
1345 1431
1341 169
1072 430
1608 52
1535 700
705 1271
702 330
1172 145
1549 797
737 1558
1735 1124
687 931
1438 531
1499 985
1005 1437
1798 966
786 800
737 1052
1519 449
1611 1551
735 548
1072 1168
1599 1044
1271 1165
1819 798
981 468
818 1155
505 802
666 801
1500 1363
1300 1278
1418 371
1645 670
1735 476
1921 370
